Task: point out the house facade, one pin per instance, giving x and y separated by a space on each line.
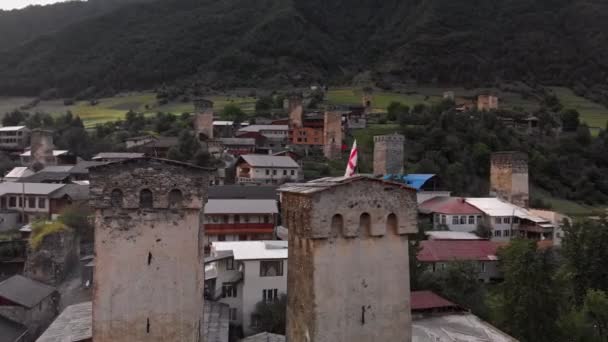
14 137
453 213
266 169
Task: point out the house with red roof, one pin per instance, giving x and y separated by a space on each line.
438 254
453 213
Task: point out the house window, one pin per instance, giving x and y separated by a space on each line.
12 201
482 267
498 220
478 218
271 268
463 220
284 172
246 218
31 202
516 220
255 320
20 202
270 295
221 238
274 172
237 219
233 314
225 218
293 172
443 219
230 264
267 172
454 219
228 290
266 219
507 233
506 220
471 219
498 233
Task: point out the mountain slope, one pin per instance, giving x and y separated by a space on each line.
277 42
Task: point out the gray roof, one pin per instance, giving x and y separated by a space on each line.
58 168
241 206
76 192
11 128
29 188
117 155
264 337
322 184
82 167
257 128
264 160
242 191
72 325
24 291
216 322
11 331
46 177
237 141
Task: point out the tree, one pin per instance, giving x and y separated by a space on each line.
14 118
271 315
263 105
234 113
187 147
525 304
570 120
78 217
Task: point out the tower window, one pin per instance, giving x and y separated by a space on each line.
146 199
392 223
365 224
337 224
116 198
175 198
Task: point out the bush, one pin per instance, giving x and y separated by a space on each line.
41 229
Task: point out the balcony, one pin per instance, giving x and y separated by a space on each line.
239 228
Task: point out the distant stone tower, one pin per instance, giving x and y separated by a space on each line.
367 100
509 177
203 121
296 111
42 147
332 135
348 272
148 283
388 154
487 102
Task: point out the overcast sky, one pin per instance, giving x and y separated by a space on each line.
12 4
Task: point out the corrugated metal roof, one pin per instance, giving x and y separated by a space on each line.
257 128
448 205
416 181
494 207
264 337
464 250
118 155
253 250
56 153
264 160
72 325
322 184
11 331
425 300
29 188
237 141
57 168
450 235
11 128
18 172
24 291
241 206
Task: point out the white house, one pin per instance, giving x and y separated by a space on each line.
244 273
266 169
14 137
275 132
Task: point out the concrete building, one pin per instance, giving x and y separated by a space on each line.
388 154
203 119
349 259
27 202
244 273
332 135
265 169
14 137
507 221
487 102
240 220
555 218
148 217
453 213
28 303
438 254
509 177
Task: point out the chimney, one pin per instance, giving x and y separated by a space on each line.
41 147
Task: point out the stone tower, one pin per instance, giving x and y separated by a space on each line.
42 147
332 135
487 102
509 177
203 121
388 154
148 283
367 100
348 272
296 111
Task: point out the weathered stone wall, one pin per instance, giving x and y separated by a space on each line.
348 262
332 135
54 259
296 111
509 177
148 282
388 154
42 147
367 101
203 124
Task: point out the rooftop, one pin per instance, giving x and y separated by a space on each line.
252 250
427 300
76 192
237 141
82 167
447 205
243 192
72 325
29 188
56 153
264 160
11 331
492 206
24 291
461 327
323 184
12 128
117 155
450 235
216 322
257 128
19 171
46 177
241 206
264 337
463 250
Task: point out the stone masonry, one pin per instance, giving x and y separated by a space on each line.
42 147
388 154
332 135
348 272
54 259
367 100
296 111
203 121
509 177
148 282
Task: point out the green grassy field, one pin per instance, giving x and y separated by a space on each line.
565 206
593 114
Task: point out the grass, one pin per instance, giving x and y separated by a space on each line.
42 229
565 206
593 114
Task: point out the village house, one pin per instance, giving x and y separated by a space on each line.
14 137
273 132
453 213
28 303
265 169
227 129
244 273
157 147
237 146
240 220
438 254
116 156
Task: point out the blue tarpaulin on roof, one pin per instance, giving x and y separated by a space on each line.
415 180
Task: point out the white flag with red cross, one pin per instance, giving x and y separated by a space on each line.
352 161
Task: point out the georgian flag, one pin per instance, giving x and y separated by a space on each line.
352 161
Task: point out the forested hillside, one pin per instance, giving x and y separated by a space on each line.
296 42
